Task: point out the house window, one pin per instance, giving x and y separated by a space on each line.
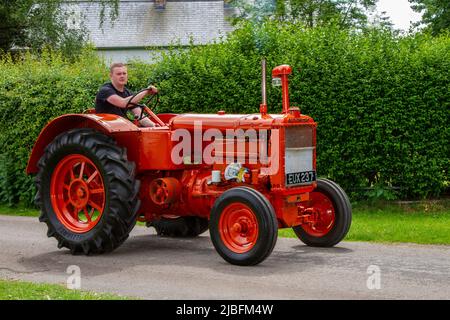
74 17
160 4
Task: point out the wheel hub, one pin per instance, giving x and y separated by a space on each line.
243 227
78 193
322 214
238 227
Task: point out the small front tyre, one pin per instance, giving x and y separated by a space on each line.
243 226
332 215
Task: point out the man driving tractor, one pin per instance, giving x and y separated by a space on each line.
113 97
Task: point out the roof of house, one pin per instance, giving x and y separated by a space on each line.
140 24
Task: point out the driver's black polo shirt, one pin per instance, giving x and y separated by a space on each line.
103 106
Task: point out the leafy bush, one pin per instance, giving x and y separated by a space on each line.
34 91
381 101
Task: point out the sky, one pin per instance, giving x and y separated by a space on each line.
400 12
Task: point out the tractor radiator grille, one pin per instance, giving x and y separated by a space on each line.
299 156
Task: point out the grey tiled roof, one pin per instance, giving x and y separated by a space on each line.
139 24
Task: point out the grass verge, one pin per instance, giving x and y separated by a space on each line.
423 222
22 290
18 211
426 222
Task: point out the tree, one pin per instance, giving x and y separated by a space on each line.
35 24
435 14
345 13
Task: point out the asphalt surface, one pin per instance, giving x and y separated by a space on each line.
151 267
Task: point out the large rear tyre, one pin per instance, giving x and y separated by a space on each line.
180 227
87 192
243 226
330 206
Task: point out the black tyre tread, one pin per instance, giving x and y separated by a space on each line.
180 227
335 235
271 228
274 219
123 198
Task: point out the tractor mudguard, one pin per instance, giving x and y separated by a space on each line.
106 123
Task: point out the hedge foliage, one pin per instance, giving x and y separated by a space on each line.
34 91
382 102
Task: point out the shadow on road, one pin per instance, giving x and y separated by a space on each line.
150 250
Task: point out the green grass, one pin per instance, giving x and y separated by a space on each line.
18 211
425 222
21 290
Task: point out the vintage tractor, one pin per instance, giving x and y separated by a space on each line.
241 176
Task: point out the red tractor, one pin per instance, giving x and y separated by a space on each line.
241 176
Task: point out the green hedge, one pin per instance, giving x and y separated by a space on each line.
382 102
34 91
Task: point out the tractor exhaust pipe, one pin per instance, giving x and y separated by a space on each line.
263 82
263 105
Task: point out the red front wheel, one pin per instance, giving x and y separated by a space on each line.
243 226
331 216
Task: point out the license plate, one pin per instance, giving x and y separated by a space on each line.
297 178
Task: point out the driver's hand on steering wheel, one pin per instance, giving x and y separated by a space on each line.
152 90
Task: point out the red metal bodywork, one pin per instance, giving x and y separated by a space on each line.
185 189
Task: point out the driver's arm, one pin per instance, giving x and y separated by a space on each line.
120 102
146 122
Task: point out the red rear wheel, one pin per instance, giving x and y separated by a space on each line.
77 193
87 191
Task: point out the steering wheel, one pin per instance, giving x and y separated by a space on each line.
144 107
149 100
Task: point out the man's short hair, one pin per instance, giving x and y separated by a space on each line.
116 65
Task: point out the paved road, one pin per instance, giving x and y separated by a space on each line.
151 267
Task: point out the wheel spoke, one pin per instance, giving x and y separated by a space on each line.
94 205
96 191
89 180
86 214
72 174
92 213
75 214
66 203
82 170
